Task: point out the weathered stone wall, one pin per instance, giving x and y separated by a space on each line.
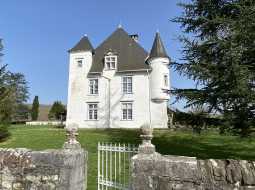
23 169
156 172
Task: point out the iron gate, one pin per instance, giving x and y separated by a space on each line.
114 165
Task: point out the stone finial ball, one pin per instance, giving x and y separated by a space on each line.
146 130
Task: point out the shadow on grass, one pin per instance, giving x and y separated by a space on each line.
204 147
180 143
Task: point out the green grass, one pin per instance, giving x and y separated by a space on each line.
207 145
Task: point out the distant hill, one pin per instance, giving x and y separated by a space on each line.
43 112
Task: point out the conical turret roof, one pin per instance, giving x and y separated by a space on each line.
83 45
158 49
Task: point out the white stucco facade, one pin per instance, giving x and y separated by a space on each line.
149 99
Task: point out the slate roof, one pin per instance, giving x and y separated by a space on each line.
131 56
83 45
158 49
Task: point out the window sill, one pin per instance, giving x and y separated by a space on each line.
91 120
110 69
93 94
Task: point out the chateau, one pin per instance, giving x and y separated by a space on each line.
118 84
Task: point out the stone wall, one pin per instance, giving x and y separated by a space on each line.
23 169
152 171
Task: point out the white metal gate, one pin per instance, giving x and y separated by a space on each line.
114 165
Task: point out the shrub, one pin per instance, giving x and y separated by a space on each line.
4 132
196 120
57 111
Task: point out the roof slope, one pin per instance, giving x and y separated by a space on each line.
83 45
131 56
158 49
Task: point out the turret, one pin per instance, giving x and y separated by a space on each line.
81 56
159 77
79 66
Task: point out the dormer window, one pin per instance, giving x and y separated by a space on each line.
110 62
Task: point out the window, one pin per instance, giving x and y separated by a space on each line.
79 62
166 80
127 85
127 111
93 86
92 111
110 62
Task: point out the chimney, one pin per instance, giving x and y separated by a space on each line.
134 37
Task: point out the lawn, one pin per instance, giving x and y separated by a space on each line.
207 145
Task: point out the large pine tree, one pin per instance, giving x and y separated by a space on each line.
219 54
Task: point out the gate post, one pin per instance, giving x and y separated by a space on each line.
76 161
142 163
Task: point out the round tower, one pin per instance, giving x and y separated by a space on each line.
159 76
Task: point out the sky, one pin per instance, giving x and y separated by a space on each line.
38 33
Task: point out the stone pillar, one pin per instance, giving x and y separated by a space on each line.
153 171
143 161
79 171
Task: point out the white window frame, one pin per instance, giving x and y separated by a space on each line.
127 84
92 111
110 62
127 111
93 86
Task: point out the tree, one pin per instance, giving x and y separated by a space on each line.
57 111
218 53
13 93
18 88
5 92
21 114
35 108
3 99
